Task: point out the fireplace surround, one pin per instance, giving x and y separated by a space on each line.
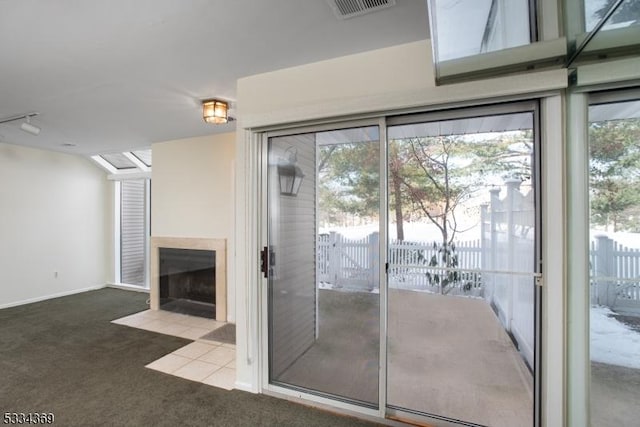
196 250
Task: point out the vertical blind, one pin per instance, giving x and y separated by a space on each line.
132 232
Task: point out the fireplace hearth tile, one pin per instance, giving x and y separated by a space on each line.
222 378
135 320
157 314
154 325
194 350
165 322
164 327
219 355
208 354
194 333
199 322
169 363
196 370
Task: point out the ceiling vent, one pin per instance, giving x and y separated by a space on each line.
345 9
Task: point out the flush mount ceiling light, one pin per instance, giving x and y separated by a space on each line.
215 111
25 126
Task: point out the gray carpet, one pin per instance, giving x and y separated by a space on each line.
64 356
225 333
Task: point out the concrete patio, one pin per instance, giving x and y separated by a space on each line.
447 356
615 393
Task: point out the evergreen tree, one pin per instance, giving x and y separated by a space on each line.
439 174
628 11
615 174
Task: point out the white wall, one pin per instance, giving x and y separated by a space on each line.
397 78
390 70
192 193
55 214
289 94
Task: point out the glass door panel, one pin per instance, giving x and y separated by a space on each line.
614 164
324 310
462 251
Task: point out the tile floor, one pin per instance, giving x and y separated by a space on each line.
209 362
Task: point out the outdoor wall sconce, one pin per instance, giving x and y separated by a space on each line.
215 111
289 174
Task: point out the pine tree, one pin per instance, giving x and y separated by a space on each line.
615 174
628 11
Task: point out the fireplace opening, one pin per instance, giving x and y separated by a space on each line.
187 279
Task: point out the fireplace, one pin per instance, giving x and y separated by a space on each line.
187 280
188 276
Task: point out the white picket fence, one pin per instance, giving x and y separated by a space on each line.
615 275
409 267
353 265
348 263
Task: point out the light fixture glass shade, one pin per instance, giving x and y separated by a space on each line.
215 111
290 177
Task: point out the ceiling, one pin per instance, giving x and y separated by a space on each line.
116 75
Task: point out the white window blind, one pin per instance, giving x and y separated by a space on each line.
132 232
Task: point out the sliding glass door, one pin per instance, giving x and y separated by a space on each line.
614 253
462 264
450 331
323 262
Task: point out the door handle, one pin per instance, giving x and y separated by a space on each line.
264 262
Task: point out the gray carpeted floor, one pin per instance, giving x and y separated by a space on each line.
64 356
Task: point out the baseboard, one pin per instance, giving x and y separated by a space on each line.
51 296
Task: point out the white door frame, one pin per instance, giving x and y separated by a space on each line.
280 391
551 399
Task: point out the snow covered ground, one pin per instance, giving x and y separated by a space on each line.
613 342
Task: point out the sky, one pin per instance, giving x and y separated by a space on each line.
452 41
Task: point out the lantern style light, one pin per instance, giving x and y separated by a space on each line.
289 174
215 111
290 179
